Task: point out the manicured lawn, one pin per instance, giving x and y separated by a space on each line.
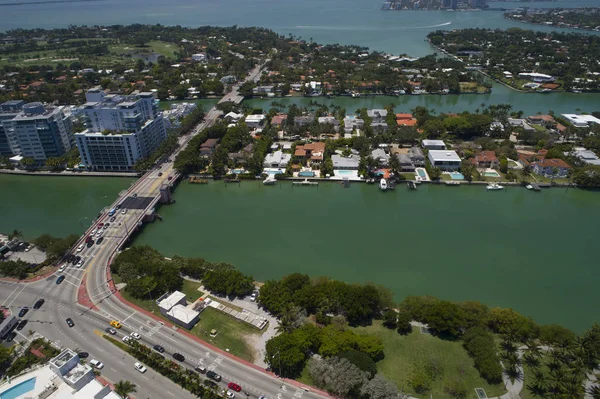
404 353
232 334
528 371
305 377
163 48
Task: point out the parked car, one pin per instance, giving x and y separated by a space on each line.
124 211
23 312
135 335
89 244
80 263
21 325
70 322
39 303
60 279
179 357
126 338
83 355
213 375
253 296
115 324
96 364
110 330
159 174
80 248
230 395
11 336
139 367
234 386
106 226
112 219
159 348
118 207
62 268
99 240
77 259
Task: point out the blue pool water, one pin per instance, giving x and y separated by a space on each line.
421 173
491 174
345 172
18 390
306 174
457 176
272 172
237 171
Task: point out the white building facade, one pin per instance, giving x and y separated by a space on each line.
120 130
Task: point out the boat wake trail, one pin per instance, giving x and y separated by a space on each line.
368 28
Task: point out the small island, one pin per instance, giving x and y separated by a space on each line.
585 18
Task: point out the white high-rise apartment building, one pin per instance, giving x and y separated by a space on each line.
120 130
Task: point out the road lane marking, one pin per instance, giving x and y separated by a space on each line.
16 296
127 318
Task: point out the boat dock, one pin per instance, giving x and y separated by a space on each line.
453 183
197 180
305 182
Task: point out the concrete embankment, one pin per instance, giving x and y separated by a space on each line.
69 173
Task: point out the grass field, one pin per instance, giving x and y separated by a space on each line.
156 46
232 334
404 353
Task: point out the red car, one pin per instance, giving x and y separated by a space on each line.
88 239
233 386
101 224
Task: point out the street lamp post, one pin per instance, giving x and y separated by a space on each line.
278 354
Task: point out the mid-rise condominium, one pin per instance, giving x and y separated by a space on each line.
34 131
120 130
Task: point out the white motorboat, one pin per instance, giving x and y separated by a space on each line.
270 180
529 187
494 186
383 185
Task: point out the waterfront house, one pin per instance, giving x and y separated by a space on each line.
278 120
277 159
208 147
312 152
350 162
587 156
521 123
543 120
416 156
255 121
301 121
405 120
536 77
377 115
233 117
433 144
242 156
444 159
379 127
263 89
324 120
406 164
581 120
486 159
380 155
351 122
554 167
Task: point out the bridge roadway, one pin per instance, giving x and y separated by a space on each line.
91 320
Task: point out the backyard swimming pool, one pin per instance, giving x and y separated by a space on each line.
344 172
491 174
18 390
457 176
421 173
306 174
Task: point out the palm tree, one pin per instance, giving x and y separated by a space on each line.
594 391
531 360
538 389
124 388
526 171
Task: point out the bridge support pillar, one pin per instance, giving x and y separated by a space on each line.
165 194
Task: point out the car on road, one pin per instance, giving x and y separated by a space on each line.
158 348
80 248
60 279
262 397
126 338
179 357
112 219
135 335
213 375
89 244
80 263
169 178
234 386
62 268
11 336
21 325
99 240
83 355
70 322
23 312
96 364
230 395
200 369
110 330
139 367
39 303
124 211
115 324
159 174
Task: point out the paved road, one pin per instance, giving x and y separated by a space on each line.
61 302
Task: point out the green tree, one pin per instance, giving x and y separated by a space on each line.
390 319
124 388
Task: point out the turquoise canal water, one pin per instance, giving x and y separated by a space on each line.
531 251
56 205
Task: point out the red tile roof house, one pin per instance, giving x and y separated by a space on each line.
278 120
554 167
486 159
312 151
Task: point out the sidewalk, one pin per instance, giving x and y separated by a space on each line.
68 173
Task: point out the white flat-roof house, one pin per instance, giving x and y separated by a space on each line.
277 159
536 77
433 144
351 122
255 121
350 162
444 159
581 120
174 307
